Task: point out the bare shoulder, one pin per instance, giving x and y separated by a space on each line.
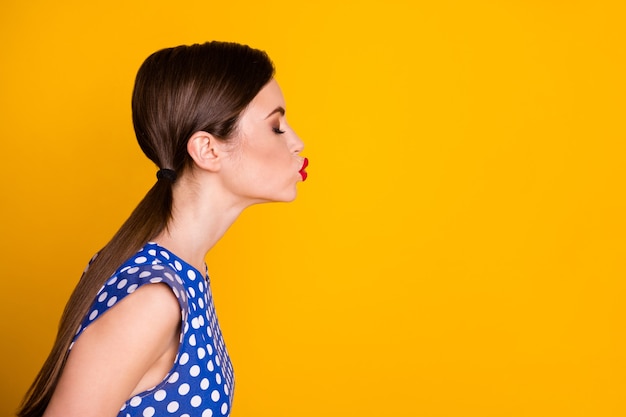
148 312
151 302
114 354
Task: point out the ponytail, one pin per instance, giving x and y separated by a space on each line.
147 220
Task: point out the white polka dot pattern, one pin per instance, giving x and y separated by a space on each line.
201 381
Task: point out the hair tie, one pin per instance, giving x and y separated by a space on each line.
167 174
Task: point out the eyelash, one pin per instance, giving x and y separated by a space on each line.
278 131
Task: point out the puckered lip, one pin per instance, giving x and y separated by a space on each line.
303 173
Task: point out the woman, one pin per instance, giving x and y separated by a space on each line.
139 336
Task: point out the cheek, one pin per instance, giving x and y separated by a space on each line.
265 161
273 157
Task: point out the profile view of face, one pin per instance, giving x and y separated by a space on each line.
266 165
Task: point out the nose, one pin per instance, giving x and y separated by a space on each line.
296 143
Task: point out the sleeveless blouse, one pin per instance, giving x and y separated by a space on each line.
201 380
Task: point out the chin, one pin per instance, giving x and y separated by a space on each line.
286 197
292 196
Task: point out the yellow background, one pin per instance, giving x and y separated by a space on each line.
458 249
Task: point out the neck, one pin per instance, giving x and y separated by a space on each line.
200 217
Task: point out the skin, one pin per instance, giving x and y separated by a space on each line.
118 355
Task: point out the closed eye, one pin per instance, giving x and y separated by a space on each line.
278 131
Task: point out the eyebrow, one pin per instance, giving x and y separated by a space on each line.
278 109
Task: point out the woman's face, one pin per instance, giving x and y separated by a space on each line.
265 165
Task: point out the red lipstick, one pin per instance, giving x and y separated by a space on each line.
303 173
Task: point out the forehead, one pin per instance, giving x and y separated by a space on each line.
266 101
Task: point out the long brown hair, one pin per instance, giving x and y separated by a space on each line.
178 91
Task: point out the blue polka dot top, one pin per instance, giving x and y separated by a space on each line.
201 381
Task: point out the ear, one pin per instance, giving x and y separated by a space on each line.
206 151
